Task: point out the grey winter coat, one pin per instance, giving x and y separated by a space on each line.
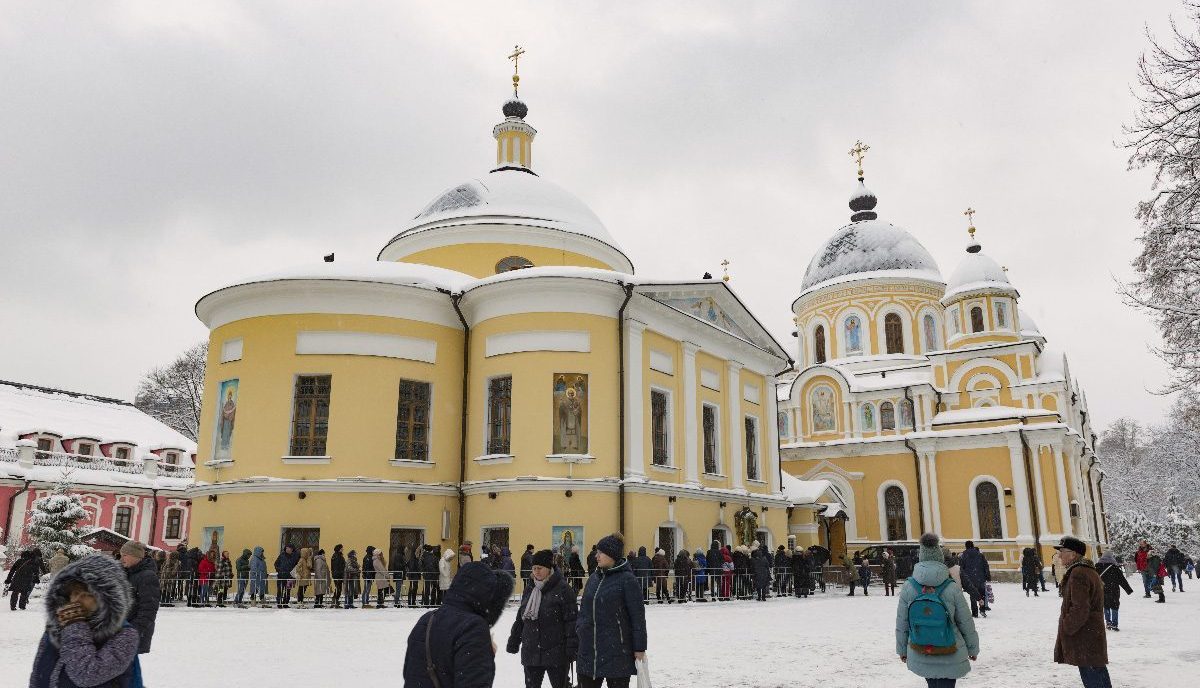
957 665
321 577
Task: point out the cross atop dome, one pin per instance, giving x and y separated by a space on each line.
858 152
862 201
972 245
514 138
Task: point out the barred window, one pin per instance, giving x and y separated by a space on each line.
976 319
987 506
412 421
897 522
499 415
893 331
174 523
310 415
819 344
752 448
659 428
710 440
887 416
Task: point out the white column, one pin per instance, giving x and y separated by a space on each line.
926 500
935 505
690 422
856 419
1016 457
1039 491
772 449
737 467
1080 494
1063 505
634 400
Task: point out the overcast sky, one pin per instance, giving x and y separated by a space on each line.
149 155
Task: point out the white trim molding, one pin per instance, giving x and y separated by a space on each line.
538 340
975 506
366 344
908 524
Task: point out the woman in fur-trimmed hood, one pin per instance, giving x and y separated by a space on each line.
87 640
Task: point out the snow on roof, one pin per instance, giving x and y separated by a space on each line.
27 409
802 491
1052 364
869 246
382 272
600 274
513 194
977 272
84 478
986 413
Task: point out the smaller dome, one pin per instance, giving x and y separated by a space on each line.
515 107
976 273
863 202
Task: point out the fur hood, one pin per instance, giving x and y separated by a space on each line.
106 579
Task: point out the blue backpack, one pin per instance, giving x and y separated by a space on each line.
930 626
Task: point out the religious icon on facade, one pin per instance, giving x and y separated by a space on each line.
853 335
931 339
823 416
906 415
746 523
570 413
563 538
1002 314
868 414
226 413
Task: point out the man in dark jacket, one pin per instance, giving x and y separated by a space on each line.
453 642
801 561
242 569
544 631
591 561
21 578
1175 561
714 568
527 566
642 568
1153 564
143 579
368 575
975 573
337 570
760 565
284 563
429 574
783 571
1081 640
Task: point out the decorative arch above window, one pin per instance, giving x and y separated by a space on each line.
513 263
893 333
819 344
887 416
976 319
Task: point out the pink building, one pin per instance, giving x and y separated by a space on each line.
130 470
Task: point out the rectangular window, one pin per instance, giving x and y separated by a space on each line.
719 535
121 522
121 454
752 448
412 421
499 439
659 428
712 458
300 538
310 415
84 449
494 536
174 523
666 541
45 444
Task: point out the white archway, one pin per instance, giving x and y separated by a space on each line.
845 494
908 522
905 326
975 530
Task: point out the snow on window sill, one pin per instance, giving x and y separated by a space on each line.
664 469
570 458
489 459
409 463
307 459
715 476
758 481
217 463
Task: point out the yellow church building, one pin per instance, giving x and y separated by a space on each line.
498 375
932 404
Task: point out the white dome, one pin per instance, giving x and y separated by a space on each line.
870 246
976 273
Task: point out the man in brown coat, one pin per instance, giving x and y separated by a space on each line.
1081 641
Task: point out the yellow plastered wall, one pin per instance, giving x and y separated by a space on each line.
759 412
479 260
1054 515
353 519
530 515
697 517
363 399
672 384
871 300
719 399
533 396
955 471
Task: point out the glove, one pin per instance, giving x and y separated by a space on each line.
70 613
514 646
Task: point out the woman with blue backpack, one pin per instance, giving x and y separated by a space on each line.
935 635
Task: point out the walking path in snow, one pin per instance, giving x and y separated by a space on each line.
827 640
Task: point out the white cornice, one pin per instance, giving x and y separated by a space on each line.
260 485
548 294
535 484
681 327
81 486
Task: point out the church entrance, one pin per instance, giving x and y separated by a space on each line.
410 539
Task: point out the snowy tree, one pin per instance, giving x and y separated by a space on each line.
54 522
1163 138
172 393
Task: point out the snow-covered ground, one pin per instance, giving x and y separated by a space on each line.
829 640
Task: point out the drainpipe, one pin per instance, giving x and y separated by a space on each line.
153 516
1103 512
12 501
1092 499
462 441
779 438
916 463
628 288
1030 492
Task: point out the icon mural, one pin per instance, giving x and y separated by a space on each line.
822 406
226 413
570 413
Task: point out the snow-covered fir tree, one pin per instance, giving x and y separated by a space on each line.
54 522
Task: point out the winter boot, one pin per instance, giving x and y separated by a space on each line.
1161 597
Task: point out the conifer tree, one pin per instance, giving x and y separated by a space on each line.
54 522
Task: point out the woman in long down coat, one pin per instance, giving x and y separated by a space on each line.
612 620
445 575
258 576
761 570
931 573
888 566
322 579
1031 566
353 570
303 571
544 631
383 581
727 567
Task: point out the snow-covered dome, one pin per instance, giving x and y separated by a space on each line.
869 246
977 273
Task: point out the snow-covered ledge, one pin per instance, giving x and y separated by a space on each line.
307 459
489 459
218 463
409 463
570 458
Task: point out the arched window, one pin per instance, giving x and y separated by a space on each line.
987 507
853 327
868 417
893 333
513 263
906 415
976 319
931 338
893 504
819 344
887 416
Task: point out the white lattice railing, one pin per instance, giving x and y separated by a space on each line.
95 463
9 454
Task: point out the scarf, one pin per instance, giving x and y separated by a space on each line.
535 600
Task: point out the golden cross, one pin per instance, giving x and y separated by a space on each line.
518 51
858 152
725 267
970 214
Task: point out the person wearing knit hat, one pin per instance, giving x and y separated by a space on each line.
933 589
143 579
544 630
612 619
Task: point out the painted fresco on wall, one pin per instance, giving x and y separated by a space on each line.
931 340
823 410
1002 314
853 335
563 538
570 413
226 412
906 415
868 420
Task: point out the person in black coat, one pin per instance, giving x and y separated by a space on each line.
643 569
337 569
284 563
454 642
412 573
714 568
742 577
143 580
761 570
1113 577
544 631
368 575
1031 568
801 562
975 573
429 574
591 561
21 578
526 566
612 620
